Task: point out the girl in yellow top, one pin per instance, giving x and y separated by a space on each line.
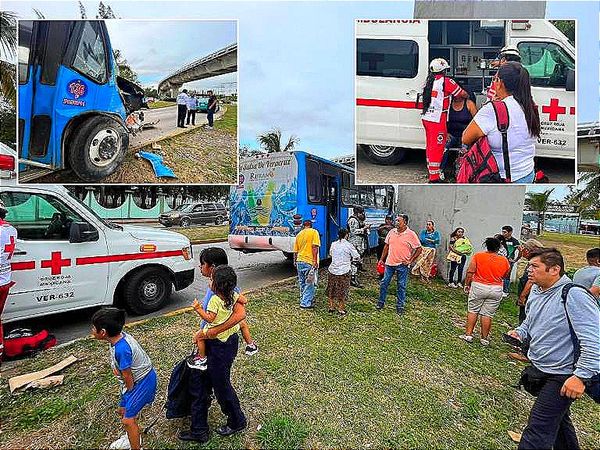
220 307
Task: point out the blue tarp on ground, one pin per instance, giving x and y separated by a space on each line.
160 170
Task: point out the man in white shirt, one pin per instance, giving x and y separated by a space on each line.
192 103
8 239
182 101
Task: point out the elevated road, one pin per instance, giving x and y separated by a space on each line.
218 63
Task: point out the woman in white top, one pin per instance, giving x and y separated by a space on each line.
338 279
513 88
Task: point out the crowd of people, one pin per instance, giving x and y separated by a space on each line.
452 121
559 321
187 106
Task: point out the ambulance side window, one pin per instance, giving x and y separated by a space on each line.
39 217
394 58
548 64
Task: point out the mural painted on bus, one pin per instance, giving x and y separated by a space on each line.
264 201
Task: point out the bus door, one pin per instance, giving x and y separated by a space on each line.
333 208
43 54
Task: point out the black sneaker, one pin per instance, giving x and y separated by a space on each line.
379 307
225 430
400 311
187 436
251 349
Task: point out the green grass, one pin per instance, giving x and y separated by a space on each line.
370 379
160 104
199 233
229 120
572 246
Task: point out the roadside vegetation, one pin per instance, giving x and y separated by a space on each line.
198 234
370 379
160 104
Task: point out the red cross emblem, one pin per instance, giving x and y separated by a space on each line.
10 248
56 263
554 110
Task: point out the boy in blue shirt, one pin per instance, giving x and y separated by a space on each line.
131 365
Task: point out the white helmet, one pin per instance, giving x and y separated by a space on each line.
438 65
510 50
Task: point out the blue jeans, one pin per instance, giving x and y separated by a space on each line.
210 117
307 290
401 272
527 179
506 281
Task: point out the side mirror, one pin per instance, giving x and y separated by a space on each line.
82 232
570 80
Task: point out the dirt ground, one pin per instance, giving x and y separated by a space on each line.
200 156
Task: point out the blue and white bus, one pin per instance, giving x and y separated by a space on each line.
73 107
276 191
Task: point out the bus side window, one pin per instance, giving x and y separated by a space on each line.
25 32
90 57
313 182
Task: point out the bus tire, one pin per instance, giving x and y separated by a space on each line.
97 148
147 290
384 155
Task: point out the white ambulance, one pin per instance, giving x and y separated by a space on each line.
66 257
392 60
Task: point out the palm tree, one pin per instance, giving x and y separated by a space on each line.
8 44
538 201
271 141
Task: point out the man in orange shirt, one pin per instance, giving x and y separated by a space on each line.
484 286
402 248
306 259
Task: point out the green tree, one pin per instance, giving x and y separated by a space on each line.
125 70
8 44
538 202
567 27
586 196
270 142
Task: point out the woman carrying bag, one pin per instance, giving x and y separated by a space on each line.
513 89
460 247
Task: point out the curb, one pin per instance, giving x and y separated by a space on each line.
175 133
185 309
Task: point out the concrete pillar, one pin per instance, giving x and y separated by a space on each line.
481 210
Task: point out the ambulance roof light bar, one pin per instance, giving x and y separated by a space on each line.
520 25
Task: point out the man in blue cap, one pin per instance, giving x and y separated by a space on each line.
306 260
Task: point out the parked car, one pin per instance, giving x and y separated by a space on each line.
8 165
203 104
194 214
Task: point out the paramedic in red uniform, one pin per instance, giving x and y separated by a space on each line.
8 238
439 88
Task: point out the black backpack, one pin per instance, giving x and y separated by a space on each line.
592 386
178 402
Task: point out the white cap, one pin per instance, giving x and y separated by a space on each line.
510 50
438 65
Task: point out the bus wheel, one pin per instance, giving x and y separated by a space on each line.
384 154
97 148
147 290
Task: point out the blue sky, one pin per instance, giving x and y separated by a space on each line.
157 48
296 59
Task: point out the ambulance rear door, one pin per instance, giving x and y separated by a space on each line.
49 270
391 69
550 60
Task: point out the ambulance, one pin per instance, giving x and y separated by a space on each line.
67 258
392 59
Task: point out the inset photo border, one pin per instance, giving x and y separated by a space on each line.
117 101
394 59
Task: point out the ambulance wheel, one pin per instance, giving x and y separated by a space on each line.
97 148
384 154
147 290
